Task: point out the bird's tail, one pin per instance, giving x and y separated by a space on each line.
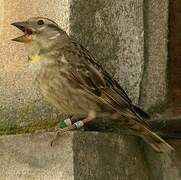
156 142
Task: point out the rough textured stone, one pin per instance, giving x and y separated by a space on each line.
164 167
154 85
21 107
25 157
113 32
1 14
79 156
108 156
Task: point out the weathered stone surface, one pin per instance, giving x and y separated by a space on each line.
163 166
21 107
154 84
108 156
113 32
1 14
23 157
79 156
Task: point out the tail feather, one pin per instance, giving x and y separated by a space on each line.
141 128
140 113
156 142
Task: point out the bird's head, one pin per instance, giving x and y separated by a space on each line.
40 31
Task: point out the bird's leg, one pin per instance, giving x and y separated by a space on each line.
52 129
77 125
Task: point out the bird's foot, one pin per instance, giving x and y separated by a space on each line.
66 126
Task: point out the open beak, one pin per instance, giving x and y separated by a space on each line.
23 26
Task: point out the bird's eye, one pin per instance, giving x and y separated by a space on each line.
40 22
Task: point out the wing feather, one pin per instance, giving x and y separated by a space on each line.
91 77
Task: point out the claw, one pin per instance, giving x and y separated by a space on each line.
60 132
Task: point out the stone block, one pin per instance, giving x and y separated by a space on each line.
78 156
113 32
154 84
164 166
21 106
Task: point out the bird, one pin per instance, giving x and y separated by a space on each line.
71 79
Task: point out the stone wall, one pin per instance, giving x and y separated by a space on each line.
79 156
113 32
21 106
153 90
129 38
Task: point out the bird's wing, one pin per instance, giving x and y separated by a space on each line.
86 74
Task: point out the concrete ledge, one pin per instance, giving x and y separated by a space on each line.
78 155
25 157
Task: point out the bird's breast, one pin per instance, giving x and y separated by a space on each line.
51 79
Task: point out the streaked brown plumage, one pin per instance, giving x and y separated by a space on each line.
71 80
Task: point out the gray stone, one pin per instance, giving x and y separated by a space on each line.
154 83
79 156
25 157
21 106
113 32
164 166
1 14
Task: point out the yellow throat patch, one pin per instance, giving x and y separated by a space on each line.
35 57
